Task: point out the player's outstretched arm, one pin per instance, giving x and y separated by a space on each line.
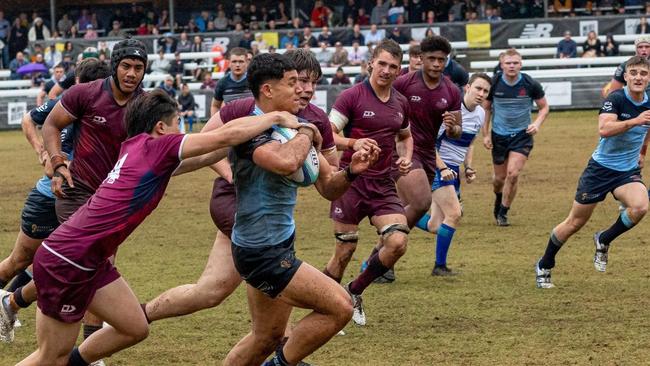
331 185
222 167
284 159
31 134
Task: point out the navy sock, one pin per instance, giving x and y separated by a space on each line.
503 210
21 280
497 202
18 298
552 248
90 329
374 270
443 242
423 223
75 358
622 224
278 359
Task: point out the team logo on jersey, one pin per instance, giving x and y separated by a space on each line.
400 115
522 92
441 103
415 98
607 106
368 114
99 120
68 308
337 210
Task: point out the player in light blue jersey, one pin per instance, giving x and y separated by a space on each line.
614 167
511 139
445 206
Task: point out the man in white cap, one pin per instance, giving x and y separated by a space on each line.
642 46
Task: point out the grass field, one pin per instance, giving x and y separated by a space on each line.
491 314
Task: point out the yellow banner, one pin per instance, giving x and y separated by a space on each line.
479 35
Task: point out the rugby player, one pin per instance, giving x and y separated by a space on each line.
415 60
234 84
614 168
445 207
276 279
72 270
511 136
369 113
641 48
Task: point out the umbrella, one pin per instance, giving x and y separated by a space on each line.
31 68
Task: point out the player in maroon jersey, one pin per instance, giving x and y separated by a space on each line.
72 271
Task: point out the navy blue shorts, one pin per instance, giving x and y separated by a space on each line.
269 268
439 183
38 219
519 142
596 181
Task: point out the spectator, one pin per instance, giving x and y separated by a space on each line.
456 11
394 11
397 36
509 9
64 24
5 30
415 60
374 36
523 9
210 27
93 20
537 9
186 101
117 31
177 68
259 42
74 32
340 78
91 34
191 26
357 56
168 43
207 83
567 47
416 12
102 48
324 56
289 38
355 36
643 27
68 50
350 9
592 46
183 44
160 66
559 6
279 14
308 38
39 31
17 38
197 44
52 56
221 21
362 17
58 73
431 17
163 20
168 86
610 48
15 64
84 19
37 49
246 40
363 74
491 15
340 56
429 33
143 29
320 14
326 36
379 12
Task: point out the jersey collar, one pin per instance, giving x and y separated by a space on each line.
506 81
629 97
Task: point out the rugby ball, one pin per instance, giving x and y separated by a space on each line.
308 173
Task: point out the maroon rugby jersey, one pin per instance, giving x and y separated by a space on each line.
130 192
244 107
426 109
359 113
99 130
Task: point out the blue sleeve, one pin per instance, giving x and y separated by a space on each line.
247 149
40 113
219 89
612 104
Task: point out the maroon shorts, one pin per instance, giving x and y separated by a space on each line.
74 198
64 291
223 205
366 198
419 162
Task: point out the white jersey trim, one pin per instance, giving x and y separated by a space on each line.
338 119
66 259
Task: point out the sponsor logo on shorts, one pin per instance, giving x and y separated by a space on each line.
337 210
68 309
265 287
99 120
588 196
368 114
36 228
285 263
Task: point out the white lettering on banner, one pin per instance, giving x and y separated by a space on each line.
320 99
15 112
587 26
536 30
557 93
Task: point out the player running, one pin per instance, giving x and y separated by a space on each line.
614 167
445 207
511 136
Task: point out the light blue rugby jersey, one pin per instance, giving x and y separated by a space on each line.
621 152
512 104
265 200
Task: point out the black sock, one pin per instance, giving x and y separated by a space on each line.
75 358
622 224
552 248
90 329
21 280
497 202
18 298
279 359
503 210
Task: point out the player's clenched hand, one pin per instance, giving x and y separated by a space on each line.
286 119
487 142
317 139
363 159
364 144
644 118
449 120
532 129
447 174
470 175
59 175
404 165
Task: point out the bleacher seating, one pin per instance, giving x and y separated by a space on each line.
552 41
555 62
